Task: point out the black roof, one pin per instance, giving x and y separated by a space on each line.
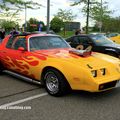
85 35
31 33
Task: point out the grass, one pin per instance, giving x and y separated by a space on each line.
66 34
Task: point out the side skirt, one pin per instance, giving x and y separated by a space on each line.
22 77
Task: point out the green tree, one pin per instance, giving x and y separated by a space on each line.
33 25
66 16
8 25
56 24
111 24
10 15
8 7
96 12
101 16
18 4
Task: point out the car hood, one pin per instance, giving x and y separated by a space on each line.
94 60
114 45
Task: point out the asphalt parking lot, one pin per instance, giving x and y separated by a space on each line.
77 105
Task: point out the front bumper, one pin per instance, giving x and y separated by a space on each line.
108 85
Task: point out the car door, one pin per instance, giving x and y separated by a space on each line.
98 48
14 53
84 42
95 47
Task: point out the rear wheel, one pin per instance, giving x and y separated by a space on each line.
55 83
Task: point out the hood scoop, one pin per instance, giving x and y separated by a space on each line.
84 53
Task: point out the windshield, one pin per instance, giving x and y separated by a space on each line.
112 35
100 39
47 42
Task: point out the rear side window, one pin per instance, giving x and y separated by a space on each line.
16 42
75 40
84 40
21 42
10 42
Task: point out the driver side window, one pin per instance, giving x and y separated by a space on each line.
21 42
85 40
10 42
16 42
76 40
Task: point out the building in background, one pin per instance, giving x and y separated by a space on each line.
71 26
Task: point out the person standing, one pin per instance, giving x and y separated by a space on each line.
14 32
2 34
77 32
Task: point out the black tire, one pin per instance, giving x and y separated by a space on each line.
55 83
1 68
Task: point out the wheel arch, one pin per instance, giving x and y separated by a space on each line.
1 67
50 67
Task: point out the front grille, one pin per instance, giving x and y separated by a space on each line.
107 85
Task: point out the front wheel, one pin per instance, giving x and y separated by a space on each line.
55 83
1 69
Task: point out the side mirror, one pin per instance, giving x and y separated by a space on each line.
21 48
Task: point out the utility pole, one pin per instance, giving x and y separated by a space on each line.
48 16
25 28
101 14
87 19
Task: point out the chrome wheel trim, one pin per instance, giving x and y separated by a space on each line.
52 82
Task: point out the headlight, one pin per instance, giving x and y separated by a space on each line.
94 73
103 71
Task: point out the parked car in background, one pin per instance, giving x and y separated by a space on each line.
100 43
44 32
109 35
49 60
115 37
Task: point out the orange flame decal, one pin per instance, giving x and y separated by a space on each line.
26 65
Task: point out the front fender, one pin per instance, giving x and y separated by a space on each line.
77 76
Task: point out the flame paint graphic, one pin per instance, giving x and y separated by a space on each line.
31 65
28 66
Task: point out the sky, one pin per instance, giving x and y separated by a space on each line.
41 13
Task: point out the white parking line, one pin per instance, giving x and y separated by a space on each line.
23 100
